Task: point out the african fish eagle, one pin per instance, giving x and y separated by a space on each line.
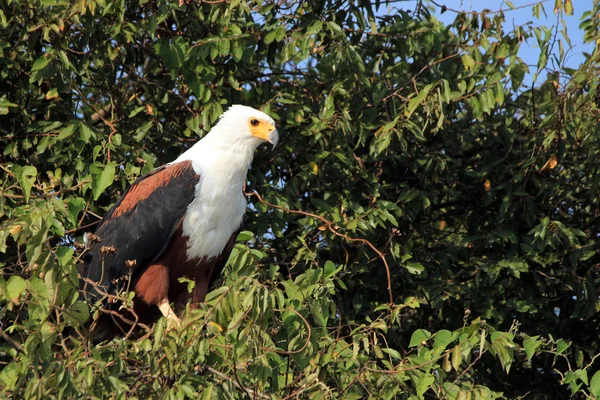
180 220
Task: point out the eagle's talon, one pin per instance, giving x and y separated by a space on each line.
173 320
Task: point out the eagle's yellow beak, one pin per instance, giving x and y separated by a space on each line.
264 130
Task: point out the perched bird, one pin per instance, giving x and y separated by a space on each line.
180 220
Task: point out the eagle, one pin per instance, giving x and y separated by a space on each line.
178 221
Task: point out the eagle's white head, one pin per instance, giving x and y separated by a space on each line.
245 124
239 131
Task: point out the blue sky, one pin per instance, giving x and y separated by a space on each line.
529 51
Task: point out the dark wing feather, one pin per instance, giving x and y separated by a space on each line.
138 228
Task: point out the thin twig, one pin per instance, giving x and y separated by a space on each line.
46 195
81 227
11 341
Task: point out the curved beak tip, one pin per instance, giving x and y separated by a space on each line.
274 138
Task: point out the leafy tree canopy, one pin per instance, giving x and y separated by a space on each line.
428 227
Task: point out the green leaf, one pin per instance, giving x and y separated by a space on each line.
244 236
419 337
416 101
315 27
15 286
214 295
531 345
3 21
456 358
136 111
66 132
446 92
569 7
64 255
48 332
64 59
503 346
85 133
582 375
5 104
333 27
442 339
393 353
159 330
40 64
414 268
236 320
561 346
38 287
499 93
142 131
270 37
468 62
224 46
330 269
26 177
595 384
102 177
424 384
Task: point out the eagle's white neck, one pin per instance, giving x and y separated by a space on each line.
219 206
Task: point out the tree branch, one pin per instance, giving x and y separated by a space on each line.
334 229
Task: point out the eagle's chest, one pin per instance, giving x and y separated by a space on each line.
213 216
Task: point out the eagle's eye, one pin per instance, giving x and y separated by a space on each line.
254 122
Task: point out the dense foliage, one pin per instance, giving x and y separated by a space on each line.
428 227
